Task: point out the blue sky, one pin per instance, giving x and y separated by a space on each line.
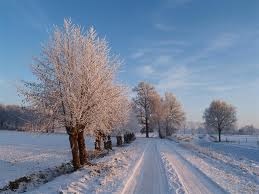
198 49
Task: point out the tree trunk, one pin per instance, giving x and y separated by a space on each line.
219 130
147 128
159 131
82 148
119 140
74 148
97 143
109 142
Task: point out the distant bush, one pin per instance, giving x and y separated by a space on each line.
248 130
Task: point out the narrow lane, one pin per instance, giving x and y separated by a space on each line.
149 175
152 178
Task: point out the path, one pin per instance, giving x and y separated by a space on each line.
151 172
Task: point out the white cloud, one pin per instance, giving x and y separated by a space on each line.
164 27
175 3
171 43
223 41
220 43
145 70
138 54
177 77
163 60
221 88
168 71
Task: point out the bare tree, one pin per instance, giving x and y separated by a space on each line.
76 85
143 103
220 116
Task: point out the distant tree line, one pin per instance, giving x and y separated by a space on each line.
248 130
14 117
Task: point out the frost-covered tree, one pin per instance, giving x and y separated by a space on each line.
220 116
117 117
167 114
76 85
143 103
157 116
173 114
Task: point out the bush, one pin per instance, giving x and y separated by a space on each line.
129 137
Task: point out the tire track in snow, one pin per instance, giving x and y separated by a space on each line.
149 174
173 180
131 182
192 179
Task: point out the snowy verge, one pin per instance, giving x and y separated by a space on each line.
107 176
36 179
232 175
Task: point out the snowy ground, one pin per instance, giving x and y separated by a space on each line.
24 153
145 166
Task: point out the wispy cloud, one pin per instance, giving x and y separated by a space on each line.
222 88
137 54
219 44
172 43
223 41
155 54
178 77
164 27
170 71
163 60
175 3
33 14
146 70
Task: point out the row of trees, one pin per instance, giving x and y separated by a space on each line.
76 87
153 111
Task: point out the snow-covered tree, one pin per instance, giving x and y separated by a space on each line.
76 85
117 117
220 116
143 103
174 115
167 114
158 114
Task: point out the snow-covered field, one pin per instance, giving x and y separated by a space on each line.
180 165
23 153
242 140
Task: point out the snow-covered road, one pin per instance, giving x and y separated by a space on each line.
150 176
191 178
162 169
